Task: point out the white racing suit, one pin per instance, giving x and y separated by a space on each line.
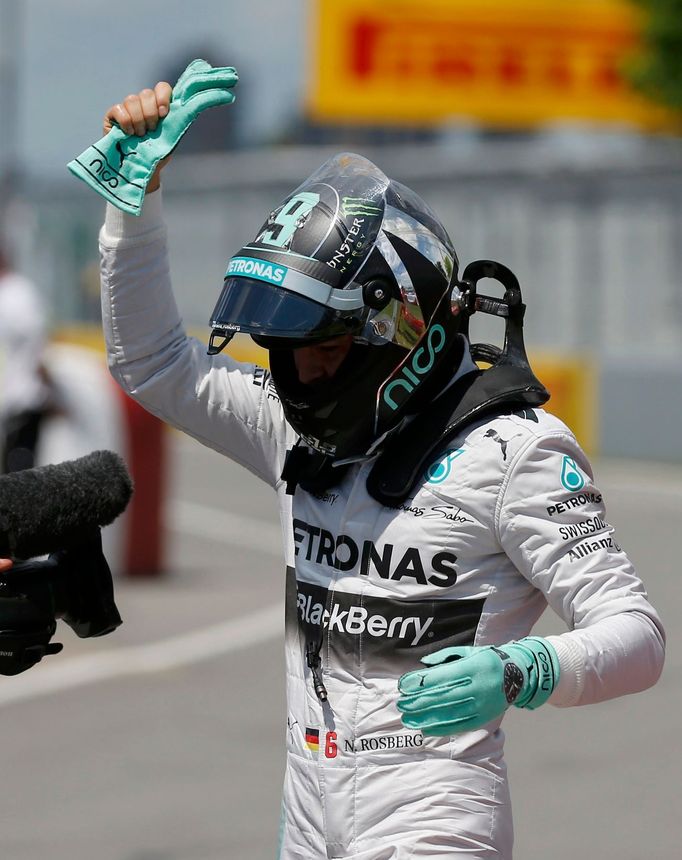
505 521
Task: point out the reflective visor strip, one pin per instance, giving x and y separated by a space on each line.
295 282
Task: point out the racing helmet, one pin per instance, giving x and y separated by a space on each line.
350 251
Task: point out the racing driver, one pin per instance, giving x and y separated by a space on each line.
432 509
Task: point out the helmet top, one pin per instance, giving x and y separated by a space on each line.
348 252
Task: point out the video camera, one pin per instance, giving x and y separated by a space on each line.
57 510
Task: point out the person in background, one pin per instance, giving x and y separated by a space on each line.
26 391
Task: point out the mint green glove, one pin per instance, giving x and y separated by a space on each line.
465 688
119 166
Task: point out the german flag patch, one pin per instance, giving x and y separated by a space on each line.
312 739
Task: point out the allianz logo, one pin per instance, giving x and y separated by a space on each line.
356 620
410 377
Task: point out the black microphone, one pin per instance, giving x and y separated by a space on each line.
57 510
52 508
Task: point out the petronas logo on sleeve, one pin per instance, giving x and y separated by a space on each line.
571 477
358 206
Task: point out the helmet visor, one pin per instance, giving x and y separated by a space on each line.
249 305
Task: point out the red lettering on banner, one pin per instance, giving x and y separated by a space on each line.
510 68
451 52
363 39
606 76
451 69
558 73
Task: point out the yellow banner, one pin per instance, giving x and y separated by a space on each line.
505 63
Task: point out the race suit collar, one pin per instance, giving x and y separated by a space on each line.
504 387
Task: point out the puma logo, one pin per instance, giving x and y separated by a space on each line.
122 155
493 434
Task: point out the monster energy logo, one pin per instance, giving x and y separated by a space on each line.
358 206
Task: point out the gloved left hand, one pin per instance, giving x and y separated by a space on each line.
119 166
464 688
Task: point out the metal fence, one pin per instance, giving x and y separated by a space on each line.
594 236
596 241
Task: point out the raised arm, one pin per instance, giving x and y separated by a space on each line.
225 405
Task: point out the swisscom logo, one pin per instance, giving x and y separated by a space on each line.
261 270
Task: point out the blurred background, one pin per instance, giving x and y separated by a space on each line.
547 135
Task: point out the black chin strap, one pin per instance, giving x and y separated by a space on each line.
311 470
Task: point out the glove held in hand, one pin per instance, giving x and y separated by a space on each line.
119 166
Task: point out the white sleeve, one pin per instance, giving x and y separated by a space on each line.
226 405
552 524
